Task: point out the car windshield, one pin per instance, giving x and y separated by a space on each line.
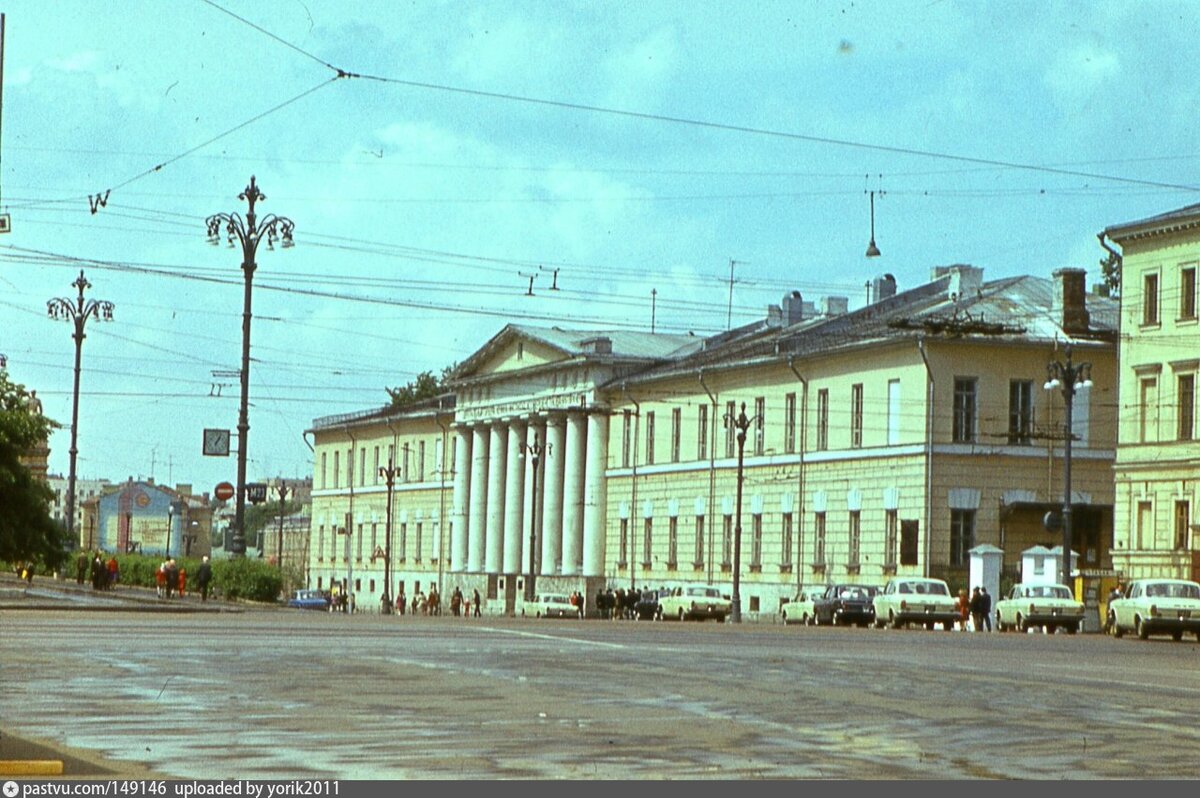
554 599
1174 590
925 588
1048 591
854 592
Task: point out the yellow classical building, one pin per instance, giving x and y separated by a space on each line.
887 440
1158 455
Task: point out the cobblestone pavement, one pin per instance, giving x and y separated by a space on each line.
306 694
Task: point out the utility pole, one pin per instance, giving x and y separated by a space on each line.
78 312
1068 377
653 307
283 491
729 314
741 423
250 234
534 451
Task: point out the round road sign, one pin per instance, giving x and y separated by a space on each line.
223 491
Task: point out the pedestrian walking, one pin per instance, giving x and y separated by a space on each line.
475 602
985 607
160 579
204 577
401 601
81 568
976 606
963 605
182 583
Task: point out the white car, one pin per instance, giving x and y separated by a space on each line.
550 605
1051 606
695 602
1157 606
800 609
915 599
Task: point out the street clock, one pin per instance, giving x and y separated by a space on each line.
216 442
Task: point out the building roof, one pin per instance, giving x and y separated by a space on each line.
1187 217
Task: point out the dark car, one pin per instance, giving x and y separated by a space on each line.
649 607
843 605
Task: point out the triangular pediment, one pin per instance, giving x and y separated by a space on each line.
511 349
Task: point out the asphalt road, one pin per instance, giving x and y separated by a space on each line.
280 694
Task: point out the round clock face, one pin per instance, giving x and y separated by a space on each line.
142 500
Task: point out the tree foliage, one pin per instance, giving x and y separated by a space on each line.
1110 267
27 532
425 386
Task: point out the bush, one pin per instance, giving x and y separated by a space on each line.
247 578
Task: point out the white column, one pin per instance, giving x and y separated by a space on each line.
552 504
535 433
494 549
595 495
462 490
514 502
576 449
477 524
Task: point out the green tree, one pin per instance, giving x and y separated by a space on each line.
1110 267
27 532
425 386
264 517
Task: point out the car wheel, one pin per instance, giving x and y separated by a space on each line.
929 625
1051 628
539 614
1022 626
1140 627
892 621
1177 635
948 626
1117 631
680 615
807 619
1072 628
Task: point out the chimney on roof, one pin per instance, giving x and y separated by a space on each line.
965 281
1070 300
794 307
883 287
600 345
774 316
835 305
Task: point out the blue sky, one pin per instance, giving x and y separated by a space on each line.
424 191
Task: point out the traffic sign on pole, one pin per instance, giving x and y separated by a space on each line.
223 491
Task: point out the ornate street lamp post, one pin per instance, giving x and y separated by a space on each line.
534 451
1068 377
741 423
249 233
78 312
388 473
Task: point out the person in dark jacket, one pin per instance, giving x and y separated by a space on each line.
985 607
204 578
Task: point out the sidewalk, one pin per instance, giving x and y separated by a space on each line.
48 593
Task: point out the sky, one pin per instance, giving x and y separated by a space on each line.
436 156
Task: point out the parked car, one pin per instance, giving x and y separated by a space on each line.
695 602
1051 606
913 599
845 604
309 600
550 605
649 606
800 608
1157 606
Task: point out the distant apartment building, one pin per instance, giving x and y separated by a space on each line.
887 440
1158 450
84 489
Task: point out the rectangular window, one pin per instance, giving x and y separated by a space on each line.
421 461
1020 412
1145 525
893 418
756 541
1150 299
374 538
333 543
1187 293
391 461
1148 411
676 423
404 467
1182 523
965 406
819 539
822 419
856 415
760 425
1186 410
350 468
321 543
702 433
403 541
727 542
647 543
324 466
417 541
855 536
890 535
730 429
908 541
672 542
375 470
358 544
962 535
785 557
650 438
626 436
789 423
698 554
362 467
337 468
623 554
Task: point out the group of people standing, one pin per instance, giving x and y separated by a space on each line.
104 575
619 604
977 608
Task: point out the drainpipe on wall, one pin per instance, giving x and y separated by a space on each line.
800 497
391 552
637 415
442 526
350 523
929 392
712 473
